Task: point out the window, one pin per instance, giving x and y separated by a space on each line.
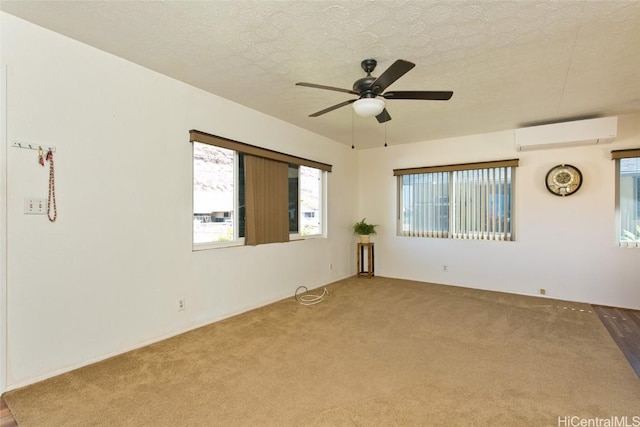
310 199
293 199
305 196
468 201
219 193
628 196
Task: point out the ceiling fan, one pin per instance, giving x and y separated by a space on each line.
370 89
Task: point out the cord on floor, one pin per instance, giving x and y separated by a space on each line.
310 299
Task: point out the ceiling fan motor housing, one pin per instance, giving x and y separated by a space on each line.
363 87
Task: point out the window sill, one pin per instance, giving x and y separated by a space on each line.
206 246
297 237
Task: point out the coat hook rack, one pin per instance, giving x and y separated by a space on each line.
31 146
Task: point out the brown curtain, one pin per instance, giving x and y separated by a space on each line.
625 154
241 147
266 200
458 167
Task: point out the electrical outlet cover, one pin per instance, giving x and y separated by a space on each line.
35 206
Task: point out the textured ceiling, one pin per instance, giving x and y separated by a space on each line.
509 63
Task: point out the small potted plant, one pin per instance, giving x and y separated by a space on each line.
364 230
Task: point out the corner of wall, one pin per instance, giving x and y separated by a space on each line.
3 228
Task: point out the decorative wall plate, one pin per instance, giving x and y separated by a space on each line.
563 180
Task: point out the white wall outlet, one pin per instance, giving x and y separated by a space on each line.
181 304
35 206
445 268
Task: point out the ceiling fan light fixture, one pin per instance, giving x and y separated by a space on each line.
368 107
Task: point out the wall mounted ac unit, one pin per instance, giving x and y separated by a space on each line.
579 132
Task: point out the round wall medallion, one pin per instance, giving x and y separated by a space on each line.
563 180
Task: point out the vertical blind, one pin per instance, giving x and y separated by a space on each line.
465 201
267 200
424 203
482 204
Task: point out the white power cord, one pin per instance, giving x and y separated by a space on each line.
310 299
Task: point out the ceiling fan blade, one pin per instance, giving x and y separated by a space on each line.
391 74
384 116
326 87
419 94
334 107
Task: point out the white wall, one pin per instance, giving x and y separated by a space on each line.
107 275
564 245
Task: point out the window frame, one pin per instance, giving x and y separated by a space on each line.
447 179
237 240
322 211
239 149
618 156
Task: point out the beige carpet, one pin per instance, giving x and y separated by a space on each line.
379 352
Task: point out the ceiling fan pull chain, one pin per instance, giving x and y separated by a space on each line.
385 134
